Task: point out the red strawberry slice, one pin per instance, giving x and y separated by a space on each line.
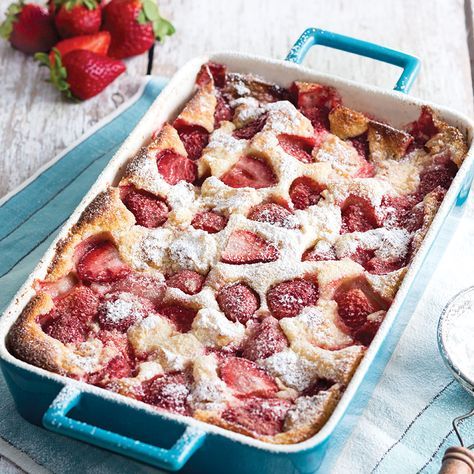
187 281
194 138
315 101
362 256
353 307
438 175
272 213
174 167
287 299
238 302
149 210
263 417
299 147
244 247
317 254
70 318
223 112
209 221
180 316
367 331
377 266
139 284
251 129
120 310
358 215
265 339
169 392
101 263
246 378
424 127
402 211
251 172
305 192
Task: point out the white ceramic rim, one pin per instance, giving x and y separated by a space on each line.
179 90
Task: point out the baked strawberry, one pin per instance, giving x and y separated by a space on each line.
265 339
287 299
437 175
251 172
217 73
119 310
97 43
353 307
377 266
101 263
299 147
272 213
320 253
263 417
180 316
168 392
246 378
223 112
29 28
252 128
175 168
77 17
424 127
194 138
320 385
149 210
80 73
187 281
238 302
244 247
358 215
365 333
305 192
209 221
134 26
361 144
70 318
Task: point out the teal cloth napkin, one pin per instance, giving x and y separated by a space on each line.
405 427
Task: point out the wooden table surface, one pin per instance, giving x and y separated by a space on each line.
36 124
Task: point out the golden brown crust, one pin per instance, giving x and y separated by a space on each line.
347 123
387 143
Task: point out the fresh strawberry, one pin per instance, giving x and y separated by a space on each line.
29 28
246 378
77 17
175 168
169 392
238 302
80 73
97 43
244 247
101 263
263 417
149 210
358 215
194 138
139 284
134 26
305 192
299 147
209 221
272 213
251 172
252 128
287 299
119 310
315 101
69 320
265 339
180 316
353 307
187 281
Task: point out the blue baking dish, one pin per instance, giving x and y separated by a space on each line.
174 442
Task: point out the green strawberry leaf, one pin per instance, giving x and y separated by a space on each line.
57 72
151 13
70 4
6 27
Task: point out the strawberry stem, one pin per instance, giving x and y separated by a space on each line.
58 73
150 13
6 27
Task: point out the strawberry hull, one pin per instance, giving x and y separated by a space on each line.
177 442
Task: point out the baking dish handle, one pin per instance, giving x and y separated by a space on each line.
173 459
315 36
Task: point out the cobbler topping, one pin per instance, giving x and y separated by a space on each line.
246 258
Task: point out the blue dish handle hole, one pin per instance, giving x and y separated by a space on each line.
58 418
315 36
